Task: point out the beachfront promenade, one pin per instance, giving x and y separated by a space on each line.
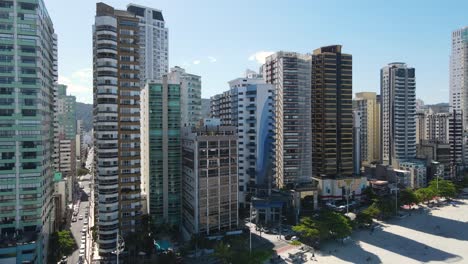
434 235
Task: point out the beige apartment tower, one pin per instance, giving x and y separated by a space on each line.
369 135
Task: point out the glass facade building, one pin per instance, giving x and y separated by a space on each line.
27 76
161 151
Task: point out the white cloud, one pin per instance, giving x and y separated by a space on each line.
196 62
212 59
80 84
260 56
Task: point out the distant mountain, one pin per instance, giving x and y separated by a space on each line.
205 108
85 113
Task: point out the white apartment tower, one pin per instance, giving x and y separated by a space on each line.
398 95
252 115
290 73
190 95
154 42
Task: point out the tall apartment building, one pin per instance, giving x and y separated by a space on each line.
437 127
210 196
161 151
420 119
290 73
221 108
369 136
154 42
458 76
253 116
28 72
65 134
357 144
190 95
116 70
332 118
398 91
456 142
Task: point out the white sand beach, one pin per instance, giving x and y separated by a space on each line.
437 235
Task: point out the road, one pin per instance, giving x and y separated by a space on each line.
76 227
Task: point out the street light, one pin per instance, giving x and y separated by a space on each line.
120 246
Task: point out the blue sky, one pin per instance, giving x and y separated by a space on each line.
219 39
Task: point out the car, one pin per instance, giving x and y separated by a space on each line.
64 259
288 237
80 217
75 213
74 219
294 238
83 230
85 221
81 251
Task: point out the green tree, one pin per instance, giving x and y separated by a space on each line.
407 196
339 226
223 252
364 218
63 244
425 194
369 193
443 188
308 229
386 207
82 171
373 210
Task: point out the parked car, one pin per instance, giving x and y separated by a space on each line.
74 219
64 259
80 217
288 237
294 238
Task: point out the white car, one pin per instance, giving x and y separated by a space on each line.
294 238
80 217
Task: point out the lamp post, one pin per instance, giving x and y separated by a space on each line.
120 246
250 227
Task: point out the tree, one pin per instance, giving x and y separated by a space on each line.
369 193
386 206
82 171
308 229
443 188
407 196
339 226
364 218
223 252
425 194
62 244
373 210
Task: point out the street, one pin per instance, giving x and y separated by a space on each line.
84 206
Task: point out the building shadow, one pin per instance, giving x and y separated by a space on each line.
435 225
406 247
351 252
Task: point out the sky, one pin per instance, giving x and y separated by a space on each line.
219 40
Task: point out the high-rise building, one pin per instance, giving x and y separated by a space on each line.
398 91
28 72
65 134
253 116
367 103
221 108
116 70
357 144
161 151
154 42
458 76
210 181
456 142
421 133
437 127
290 73
332 120
190 95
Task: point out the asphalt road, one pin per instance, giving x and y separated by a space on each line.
76 232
